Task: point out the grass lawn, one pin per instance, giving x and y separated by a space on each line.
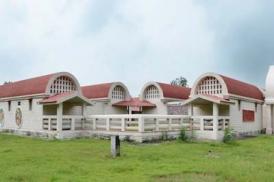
28 159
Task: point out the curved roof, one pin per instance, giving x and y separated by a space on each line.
176 92
32 86
101 91
232 86
37 85
96 91
240 88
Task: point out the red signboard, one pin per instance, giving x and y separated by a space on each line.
248 116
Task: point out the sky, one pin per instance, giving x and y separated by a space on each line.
136 41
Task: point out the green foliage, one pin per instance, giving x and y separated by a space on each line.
183 135
228 135
181 81
28 159
164 136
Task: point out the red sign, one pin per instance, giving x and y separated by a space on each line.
248 116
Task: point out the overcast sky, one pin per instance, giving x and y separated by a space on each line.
135 41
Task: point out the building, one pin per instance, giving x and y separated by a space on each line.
166 98
25 104
104 97
55 106
217 100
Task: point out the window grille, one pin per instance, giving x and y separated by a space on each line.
152 92
118 93
62 84
209 86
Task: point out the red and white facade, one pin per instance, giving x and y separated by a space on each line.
56 105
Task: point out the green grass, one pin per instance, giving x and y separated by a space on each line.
28 159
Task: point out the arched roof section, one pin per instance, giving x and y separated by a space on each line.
33 86
168 90
102 91
67 75
231 86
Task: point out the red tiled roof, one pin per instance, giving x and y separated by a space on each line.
177 92
240 88
96 91
56 98
134 102
31 86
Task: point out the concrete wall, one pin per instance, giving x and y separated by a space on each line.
31 119
203 110
161 108
104 107
236 117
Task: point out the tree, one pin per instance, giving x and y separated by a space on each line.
181 81
7 82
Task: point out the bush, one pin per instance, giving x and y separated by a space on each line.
228 136
164 136
183 135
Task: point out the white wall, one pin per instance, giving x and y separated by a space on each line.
31 120
160 108
104 107
236 117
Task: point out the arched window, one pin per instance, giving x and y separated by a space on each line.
152 92
118 93
209 86
62 84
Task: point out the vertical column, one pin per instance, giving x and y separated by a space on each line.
84 110
108 124
190 110
141 128
73 123
59 117
115 146
123 124
157 128
215 120
269 119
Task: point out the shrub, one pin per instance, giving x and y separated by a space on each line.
183 135
228 135
164 136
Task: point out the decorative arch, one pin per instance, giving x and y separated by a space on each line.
151 90
61 83
209 84
118 91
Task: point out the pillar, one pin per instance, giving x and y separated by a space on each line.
190 109
59 117
269 119
115 146
215 120
84 110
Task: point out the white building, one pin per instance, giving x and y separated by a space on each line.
56 106
104 96
27 106
166 98
217 100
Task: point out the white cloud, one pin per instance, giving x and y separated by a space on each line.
135 42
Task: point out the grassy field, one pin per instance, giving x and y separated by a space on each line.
27 159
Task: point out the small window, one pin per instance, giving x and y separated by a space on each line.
30 104
256 107
239 105
248 116
9 105
19 103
